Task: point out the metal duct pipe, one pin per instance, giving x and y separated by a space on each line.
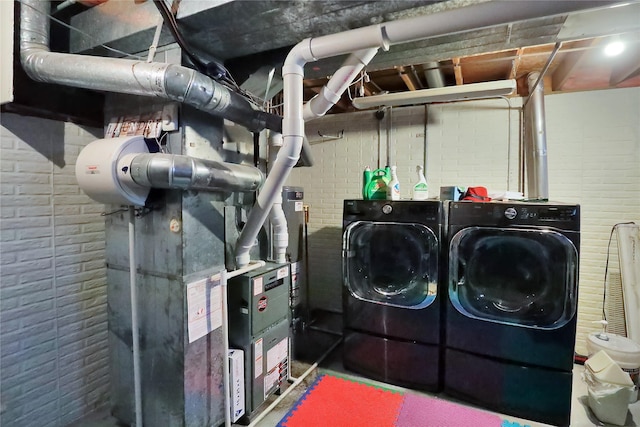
536 141
375 36
433 74
172 171
172 82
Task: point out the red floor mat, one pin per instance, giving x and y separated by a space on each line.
338 402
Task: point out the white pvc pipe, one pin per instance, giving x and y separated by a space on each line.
225 357
375 36
280 233
473 17
339 82
137 382
224 277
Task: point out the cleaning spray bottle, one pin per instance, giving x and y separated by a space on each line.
393 188
420 190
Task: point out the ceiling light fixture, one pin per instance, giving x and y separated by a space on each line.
614 48
441 94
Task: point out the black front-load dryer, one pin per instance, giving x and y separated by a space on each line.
392 302
511 313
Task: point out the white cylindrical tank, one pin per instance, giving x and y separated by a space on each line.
102 171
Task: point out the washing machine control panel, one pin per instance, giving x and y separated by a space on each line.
510 213
387 209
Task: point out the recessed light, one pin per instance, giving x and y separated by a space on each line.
614 48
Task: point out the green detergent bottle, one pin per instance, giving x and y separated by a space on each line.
374 186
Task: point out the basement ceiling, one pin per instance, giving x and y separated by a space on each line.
251 36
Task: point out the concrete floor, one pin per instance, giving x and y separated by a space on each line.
318 340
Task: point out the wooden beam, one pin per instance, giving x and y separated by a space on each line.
515 63
571 64
626 67
408 78
457 71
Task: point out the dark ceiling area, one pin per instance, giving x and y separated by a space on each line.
253 37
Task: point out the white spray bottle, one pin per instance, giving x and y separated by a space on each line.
420 190
393 188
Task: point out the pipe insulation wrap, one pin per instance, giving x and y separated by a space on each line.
173 171
172 82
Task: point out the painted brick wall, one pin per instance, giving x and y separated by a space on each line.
593 143
53 314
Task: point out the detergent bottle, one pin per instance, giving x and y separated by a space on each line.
366 179
393 188
375 183
420 190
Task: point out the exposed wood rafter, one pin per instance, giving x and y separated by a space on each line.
571 64
408 77
457 71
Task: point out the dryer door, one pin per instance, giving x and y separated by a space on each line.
391 263
524 277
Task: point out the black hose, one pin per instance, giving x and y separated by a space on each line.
213 69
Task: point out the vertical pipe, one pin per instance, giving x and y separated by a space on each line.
137 383
225 356
537 171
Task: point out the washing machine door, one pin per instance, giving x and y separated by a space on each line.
391 263
524 277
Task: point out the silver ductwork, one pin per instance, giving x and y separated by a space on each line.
536 141
168 81
433 75
172 171
121 171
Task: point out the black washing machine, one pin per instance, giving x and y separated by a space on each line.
511 313
392 301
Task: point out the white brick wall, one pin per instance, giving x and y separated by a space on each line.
593 143
53 314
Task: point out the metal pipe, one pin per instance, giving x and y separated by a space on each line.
542 73
135 338
537 171
168 81
433 74
173 171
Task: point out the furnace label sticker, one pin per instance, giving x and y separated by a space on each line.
258 286
277 353
299 206
204 306
282 272
271 381
257 358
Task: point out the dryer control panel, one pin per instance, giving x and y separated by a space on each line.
566 217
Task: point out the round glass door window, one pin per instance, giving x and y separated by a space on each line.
391 263
525 277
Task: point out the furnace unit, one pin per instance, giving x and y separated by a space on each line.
259 325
